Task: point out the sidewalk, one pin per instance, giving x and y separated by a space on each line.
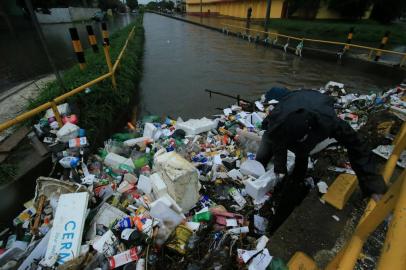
15 100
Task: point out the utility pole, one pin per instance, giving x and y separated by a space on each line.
267 15
201 8
43 43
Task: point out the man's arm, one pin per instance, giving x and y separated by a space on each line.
280 157
370 181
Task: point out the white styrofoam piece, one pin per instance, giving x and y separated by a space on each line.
196 126
171 203
252 167
66 234
161 211
144 184
158 185
259 187
180 177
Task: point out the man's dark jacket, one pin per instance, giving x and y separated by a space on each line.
304 118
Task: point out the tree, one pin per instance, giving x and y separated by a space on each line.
162 5
306 8
152 5
132 4
351 9
107 4
386 11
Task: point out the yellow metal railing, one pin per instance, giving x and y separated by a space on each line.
393 254
345 45
53 103
375 213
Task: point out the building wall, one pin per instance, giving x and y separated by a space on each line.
236 9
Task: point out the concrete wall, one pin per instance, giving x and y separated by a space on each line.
78 13
237 9
66 15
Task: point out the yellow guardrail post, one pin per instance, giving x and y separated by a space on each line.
52 104
393 255
105 34
109 65
371 49
383 43
349 39
77 47
92 38
386 174
369 224
56 113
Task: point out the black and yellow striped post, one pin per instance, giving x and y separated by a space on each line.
106 50
349 39
105 35
77 47
383 43
92 38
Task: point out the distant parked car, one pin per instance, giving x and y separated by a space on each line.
99 16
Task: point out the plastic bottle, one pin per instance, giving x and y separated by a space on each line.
69 162
193 240
78 142
140 162
133 237
204 216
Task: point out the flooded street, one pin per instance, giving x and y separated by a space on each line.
24 59
181 60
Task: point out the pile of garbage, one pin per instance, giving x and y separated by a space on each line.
164 193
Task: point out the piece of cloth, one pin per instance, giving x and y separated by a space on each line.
299 122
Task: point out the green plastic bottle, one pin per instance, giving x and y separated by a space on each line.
141 162
205 216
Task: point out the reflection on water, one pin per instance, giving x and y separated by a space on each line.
182 59
22 55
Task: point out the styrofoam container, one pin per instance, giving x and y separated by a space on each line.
159 188
163 212
257 188
180 177
196 126
252 167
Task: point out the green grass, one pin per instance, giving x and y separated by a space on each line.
100 108
7 172
366 31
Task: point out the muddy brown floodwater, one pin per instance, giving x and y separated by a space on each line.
182 59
